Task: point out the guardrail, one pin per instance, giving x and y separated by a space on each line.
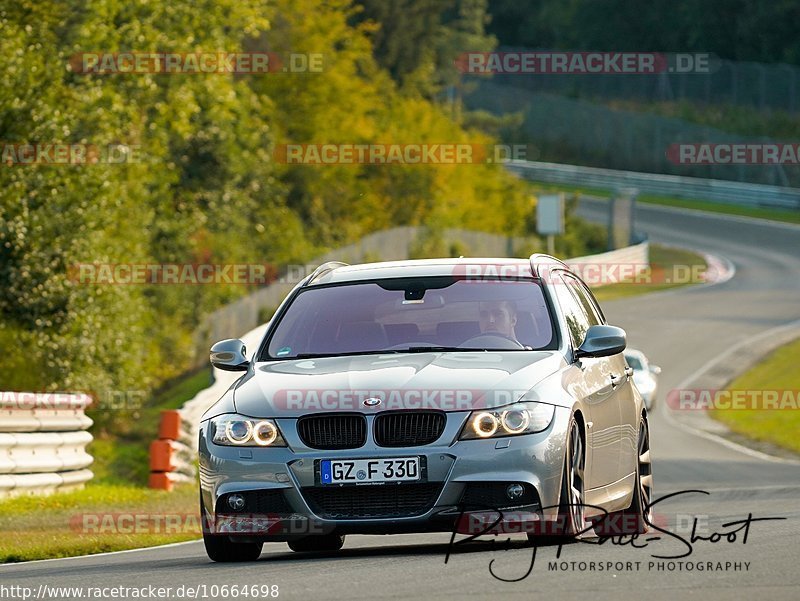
43 442
694 188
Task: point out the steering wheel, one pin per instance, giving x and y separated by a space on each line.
489 340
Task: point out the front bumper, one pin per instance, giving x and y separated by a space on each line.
285 499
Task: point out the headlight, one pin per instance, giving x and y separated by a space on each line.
521 418
239 431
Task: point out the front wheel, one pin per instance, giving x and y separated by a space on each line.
643 491
570 521
221 548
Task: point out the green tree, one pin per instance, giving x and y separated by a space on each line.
207 188
745 30
417 41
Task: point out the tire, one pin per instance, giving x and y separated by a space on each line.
319 543
643 491
637 518
570 519
222 549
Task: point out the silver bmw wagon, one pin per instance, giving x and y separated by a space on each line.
470 396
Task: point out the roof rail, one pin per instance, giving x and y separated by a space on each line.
538 258
323 269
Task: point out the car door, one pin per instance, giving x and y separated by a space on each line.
622 381
598 390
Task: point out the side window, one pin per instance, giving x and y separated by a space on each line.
592 301
577 320
586 300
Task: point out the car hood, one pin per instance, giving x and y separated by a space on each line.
448 381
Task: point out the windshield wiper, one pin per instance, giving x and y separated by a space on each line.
411 349
457 349
436 349
343 354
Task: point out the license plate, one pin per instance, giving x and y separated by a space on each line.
369 471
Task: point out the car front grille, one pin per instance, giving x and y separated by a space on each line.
343 431
409 428
379 501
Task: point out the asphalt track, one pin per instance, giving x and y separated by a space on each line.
681 331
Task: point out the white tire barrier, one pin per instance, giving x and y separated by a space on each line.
43 441
21 484
43 412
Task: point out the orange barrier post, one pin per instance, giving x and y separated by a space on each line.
171 459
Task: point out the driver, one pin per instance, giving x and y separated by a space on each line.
498 317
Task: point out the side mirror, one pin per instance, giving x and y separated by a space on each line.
602 341
655 370
229 355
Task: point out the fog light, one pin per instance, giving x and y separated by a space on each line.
236 502
515 491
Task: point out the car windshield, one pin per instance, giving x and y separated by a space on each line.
413 315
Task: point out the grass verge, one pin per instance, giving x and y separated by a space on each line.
786 216
777 371
97 519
